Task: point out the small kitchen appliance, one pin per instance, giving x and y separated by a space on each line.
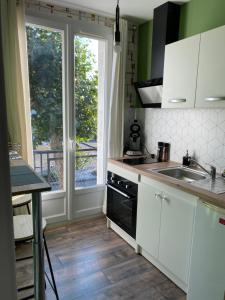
135 140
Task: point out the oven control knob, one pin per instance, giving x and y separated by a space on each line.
112 180
120 182
127 186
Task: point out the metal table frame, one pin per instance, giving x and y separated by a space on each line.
38 245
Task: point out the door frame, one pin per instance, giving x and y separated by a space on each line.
95 31
61 210
69 198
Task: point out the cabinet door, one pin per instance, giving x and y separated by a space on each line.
211 73
148 218
177 220
207 275
180 73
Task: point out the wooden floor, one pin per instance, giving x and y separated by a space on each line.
92 262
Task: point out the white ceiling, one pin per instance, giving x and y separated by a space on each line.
139 10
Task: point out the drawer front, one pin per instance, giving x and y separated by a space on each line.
121 171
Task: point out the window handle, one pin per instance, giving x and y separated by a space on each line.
71 144
164 198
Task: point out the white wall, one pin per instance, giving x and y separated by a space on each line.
88 202
54 207
201 131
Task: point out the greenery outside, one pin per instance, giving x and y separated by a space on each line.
45 51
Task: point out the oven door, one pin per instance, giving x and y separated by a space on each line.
122 209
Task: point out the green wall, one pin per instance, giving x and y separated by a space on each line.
144 50
196 16
201 15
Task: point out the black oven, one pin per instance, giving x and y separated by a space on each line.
122 202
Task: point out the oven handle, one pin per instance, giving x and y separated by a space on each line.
118 191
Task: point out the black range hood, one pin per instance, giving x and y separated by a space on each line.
166 19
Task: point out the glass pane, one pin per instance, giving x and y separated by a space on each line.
88 93
45 50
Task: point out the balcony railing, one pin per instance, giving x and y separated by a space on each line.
49 164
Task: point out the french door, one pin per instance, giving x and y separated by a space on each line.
89 104
69 72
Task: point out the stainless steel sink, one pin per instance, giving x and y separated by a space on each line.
183 173
196 178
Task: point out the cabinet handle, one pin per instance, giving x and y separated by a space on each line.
212 99
164 198
158 195
177 100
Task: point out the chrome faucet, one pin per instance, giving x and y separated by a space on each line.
212 171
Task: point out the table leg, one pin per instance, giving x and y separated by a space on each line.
38 248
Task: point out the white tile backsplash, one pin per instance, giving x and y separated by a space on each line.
201 131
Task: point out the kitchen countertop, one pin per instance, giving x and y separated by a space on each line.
207 196
24 180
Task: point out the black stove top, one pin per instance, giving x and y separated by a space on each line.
139 161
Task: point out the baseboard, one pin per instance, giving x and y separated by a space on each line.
62 219
56 218
74 221
88 212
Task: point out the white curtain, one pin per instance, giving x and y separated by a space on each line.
117 96
16 75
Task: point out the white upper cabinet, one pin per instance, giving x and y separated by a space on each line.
211 70
180 73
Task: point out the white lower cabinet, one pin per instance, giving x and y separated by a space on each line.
165 220
207 274
148 218
177 219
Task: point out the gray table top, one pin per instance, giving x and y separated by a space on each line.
24 180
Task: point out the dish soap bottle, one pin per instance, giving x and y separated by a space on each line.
186 159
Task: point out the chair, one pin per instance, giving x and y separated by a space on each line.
21 200
23 232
